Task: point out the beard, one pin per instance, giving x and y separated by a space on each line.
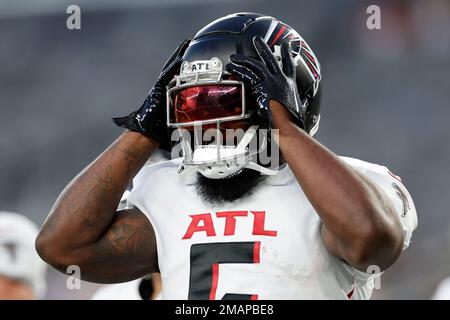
217 192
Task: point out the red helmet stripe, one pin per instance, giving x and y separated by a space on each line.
309 56
280 32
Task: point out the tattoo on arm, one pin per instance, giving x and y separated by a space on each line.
127 251
83 227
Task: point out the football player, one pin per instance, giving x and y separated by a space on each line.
221 222
22 272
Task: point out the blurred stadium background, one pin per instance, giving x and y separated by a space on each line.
386 99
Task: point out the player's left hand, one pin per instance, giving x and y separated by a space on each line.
268 81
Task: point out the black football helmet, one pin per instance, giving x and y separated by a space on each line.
234 34
203 73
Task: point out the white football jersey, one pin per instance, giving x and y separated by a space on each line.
265 246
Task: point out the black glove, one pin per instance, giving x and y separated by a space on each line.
151 119
268 82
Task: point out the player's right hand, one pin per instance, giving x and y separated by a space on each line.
267 80
151 119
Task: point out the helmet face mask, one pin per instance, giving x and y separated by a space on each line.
204 95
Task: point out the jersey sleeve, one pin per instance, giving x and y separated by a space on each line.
127 201
136 196
392 186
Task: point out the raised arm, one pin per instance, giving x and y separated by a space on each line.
83 227
359 221
360 224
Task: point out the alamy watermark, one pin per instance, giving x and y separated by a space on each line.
73 281
373 21
73 21
260 144
376 272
